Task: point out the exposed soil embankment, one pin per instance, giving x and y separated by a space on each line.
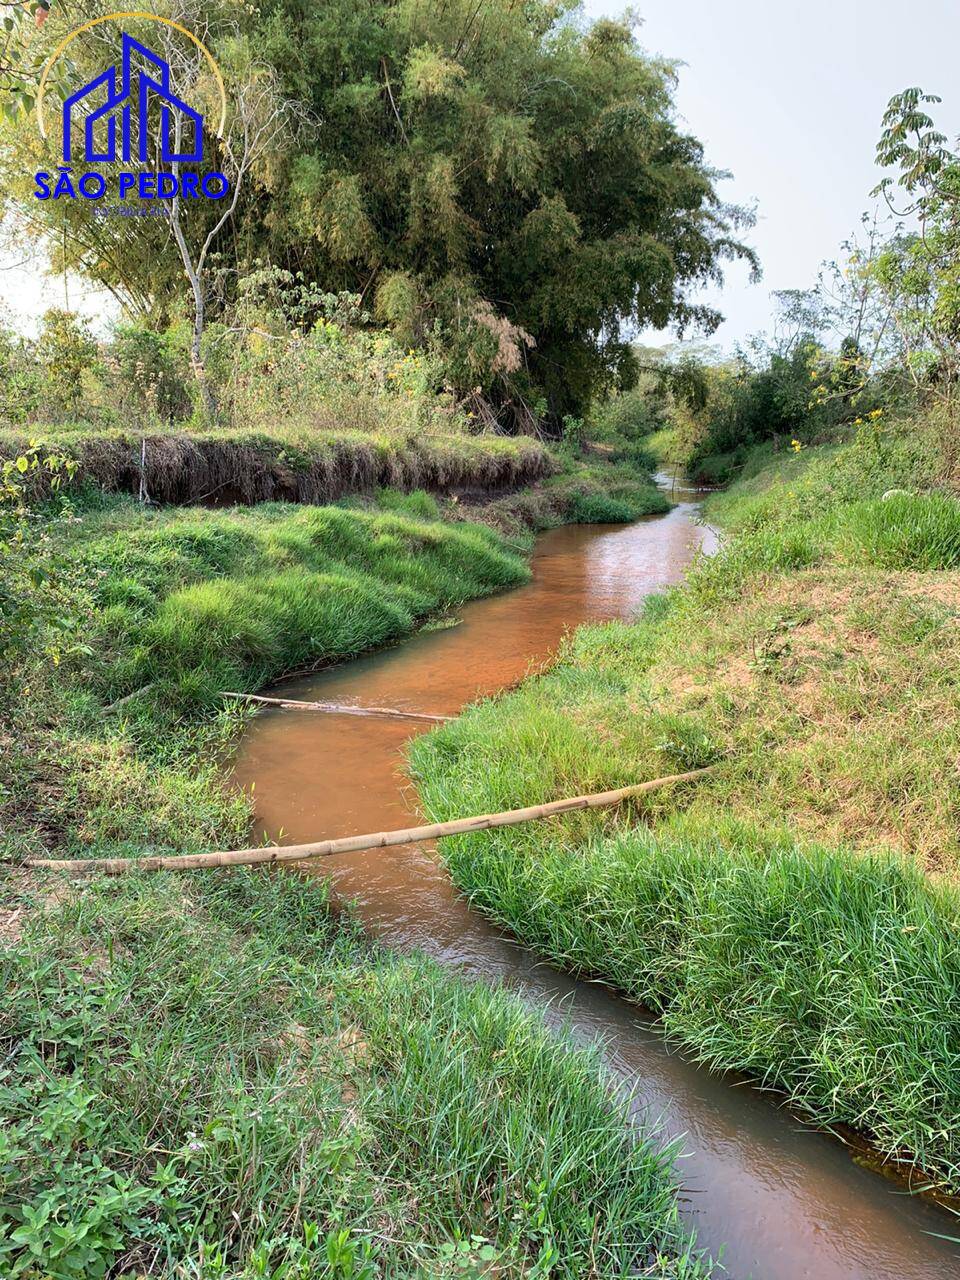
224 468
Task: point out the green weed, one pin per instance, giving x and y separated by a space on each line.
418 504
235 1082
904 531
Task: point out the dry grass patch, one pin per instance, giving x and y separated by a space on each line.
836 691
293 462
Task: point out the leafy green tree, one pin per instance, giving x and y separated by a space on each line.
22 55
852 307
143 260
919 270
493 177
504 171
66 351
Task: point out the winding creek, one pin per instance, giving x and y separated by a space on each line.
784 1202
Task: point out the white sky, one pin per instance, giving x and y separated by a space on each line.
787 96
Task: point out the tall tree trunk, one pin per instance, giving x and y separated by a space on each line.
207 398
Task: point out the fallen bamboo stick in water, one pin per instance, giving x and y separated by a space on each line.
378 840
336 708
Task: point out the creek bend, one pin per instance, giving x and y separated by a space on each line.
785 1202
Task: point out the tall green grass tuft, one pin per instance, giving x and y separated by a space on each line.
601 508
218 635
777 549
237 1084
834 979
419 504
212 600
903 531
807 510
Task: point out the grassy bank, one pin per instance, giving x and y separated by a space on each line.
209 600
220 1077
515 485
216 1078
184 604
780 915
581 491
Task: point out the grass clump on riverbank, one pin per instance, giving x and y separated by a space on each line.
582 491
836 981
215 1076
764 913
205 601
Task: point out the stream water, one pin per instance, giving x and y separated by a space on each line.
784 1201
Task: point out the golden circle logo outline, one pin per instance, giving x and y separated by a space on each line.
116 17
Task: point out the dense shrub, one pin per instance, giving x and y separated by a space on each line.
629 416
795 398
339 373
151 379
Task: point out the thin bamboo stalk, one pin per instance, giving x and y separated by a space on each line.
377 840
336 708
122 702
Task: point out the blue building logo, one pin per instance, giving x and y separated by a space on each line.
129 115
144 89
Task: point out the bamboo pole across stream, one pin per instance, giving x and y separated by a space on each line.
336 708
378 840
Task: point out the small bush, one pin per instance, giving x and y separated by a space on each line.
629 416
69 358
151 376
600 508
637 453
712 470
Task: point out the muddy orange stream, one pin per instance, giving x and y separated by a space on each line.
785 1202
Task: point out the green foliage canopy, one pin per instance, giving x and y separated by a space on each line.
919 270
501 170
491 175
